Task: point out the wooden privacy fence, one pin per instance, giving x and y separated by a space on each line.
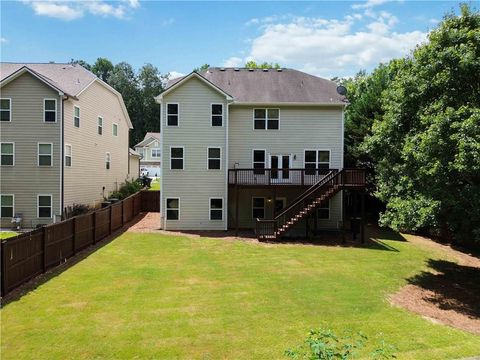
30 254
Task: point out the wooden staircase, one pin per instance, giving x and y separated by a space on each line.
313 198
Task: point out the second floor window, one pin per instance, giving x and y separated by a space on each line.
100 125
316 159
5 110
108 160
214 158
266 119
115 129
7 154
45 154
258 162
176 158
141 151
49 110
217 115
76 116
68 155
172 114
155 153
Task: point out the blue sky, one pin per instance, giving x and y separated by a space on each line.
323 38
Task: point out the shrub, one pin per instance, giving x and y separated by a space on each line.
77 209
127 189
324 344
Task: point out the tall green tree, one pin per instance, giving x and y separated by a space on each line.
204 67
426 146
103 68
265 65
151 84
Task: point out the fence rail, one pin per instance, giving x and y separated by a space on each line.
30 254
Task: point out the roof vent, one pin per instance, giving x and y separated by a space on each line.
279 70
265 70
236 69
222 69
251 69
78 80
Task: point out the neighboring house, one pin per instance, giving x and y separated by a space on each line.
150 150
64 140
133 164
242 144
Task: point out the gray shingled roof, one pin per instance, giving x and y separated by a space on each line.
156 135
70 78
272 86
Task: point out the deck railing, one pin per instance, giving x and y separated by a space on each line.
289 177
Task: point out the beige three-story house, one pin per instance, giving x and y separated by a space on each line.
253 149
64 140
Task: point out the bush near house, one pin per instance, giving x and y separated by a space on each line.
127 189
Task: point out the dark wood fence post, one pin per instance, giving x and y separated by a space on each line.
123 209
4 268
44 246
74 237
94 226
110 219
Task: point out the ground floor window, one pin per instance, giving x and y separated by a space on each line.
280 204
323 212
258 208
173 209
6 206
44 206
216 209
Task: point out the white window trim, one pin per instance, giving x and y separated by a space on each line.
178 115
71 155
211 114
38 154
13 205
155 157
38 206
264 206
266 119
316 157
79 116
210 208
208 158
329 211
265 157
113 126
108 156
183 158
166 209
44 110
8 142
99 126
9 110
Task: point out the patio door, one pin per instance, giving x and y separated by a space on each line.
280 165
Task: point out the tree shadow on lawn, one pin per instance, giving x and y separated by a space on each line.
450 286
41 279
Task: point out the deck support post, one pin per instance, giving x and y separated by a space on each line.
344 217
362 226
236 210
315 223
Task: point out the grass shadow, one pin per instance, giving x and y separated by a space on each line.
41 279
451 286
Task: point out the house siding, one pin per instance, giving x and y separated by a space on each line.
26 179
85 179
195 184
134 167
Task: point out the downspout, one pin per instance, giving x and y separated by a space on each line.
227 120
62 155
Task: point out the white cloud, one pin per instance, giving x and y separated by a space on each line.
167 22
3 40
174 74
71 10
331 47
233 62
368 4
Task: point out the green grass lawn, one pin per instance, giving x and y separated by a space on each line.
155 185
150 296
7 234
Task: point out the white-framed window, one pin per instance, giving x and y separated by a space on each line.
50 110
266 119
258 208
115 129
217 114
7 154
259 161
76 116
99 125
173 208
5 109
68 155
172 114
44 206
45 154
141 151
323 213
214 158
7 205
155 153
108 160
316 159
177 157
216 208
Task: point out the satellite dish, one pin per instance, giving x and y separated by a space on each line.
342 90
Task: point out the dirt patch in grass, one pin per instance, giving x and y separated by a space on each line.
447 292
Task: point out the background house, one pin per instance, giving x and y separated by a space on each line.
64 140
150 151
133 164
